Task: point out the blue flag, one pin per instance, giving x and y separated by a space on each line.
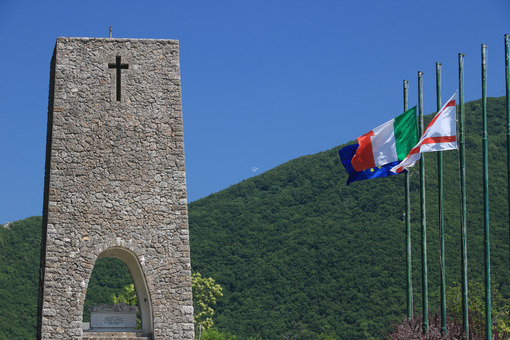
346 154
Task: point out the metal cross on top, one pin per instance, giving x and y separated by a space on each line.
117 65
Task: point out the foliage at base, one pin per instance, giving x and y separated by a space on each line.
413 329
205 293
214 334
128 296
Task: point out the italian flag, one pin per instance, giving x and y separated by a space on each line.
440 134
387 143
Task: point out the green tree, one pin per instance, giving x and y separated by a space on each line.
500 307
205 293
214 334
128 296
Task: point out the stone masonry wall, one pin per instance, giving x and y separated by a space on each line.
115 177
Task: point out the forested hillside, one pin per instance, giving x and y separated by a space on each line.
19 276
298 253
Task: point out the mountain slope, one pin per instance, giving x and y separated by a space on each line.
299 252
19 277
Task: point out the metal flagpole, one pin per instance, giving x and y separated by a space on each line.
408 227
507 69
488 316
441 206
463 229
423 216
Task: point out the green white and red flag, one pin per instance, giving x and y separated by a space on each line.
388 143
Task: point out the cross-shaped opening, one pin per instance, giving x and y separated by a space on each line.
118 66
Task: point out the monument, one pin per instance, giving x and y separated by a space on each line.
118 317
115 184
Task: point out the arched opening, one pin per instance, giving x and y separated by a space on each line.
133 269
108 278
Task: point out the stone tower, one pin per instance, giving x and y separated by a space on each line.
115 183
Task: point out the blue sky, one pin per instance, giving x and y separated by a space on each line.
263 82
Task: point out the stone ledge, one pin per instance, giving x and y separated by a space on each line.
115 335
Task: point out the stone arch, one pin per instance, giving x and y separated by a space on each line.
142 291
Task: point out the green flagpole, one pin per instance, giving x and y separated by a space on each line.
463 229
408 227
488 316
507 69
441 206
423 216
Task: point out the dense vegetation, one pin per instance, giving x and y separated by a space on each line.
301 255
19 277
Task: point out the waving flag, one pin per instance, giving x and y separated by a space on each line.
381 149
440 134
346 155
387 143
